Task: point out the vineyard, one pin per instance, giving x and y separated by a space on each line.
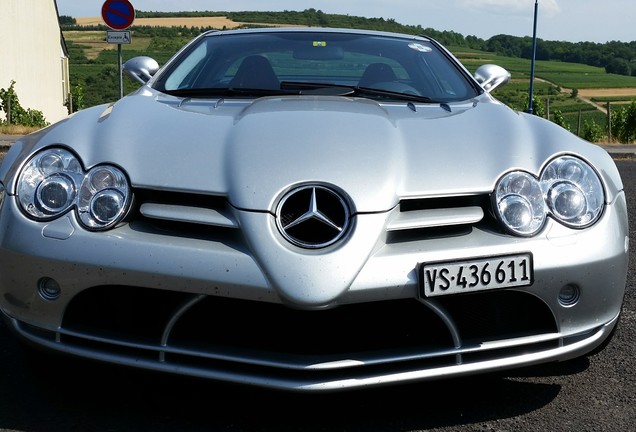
579 94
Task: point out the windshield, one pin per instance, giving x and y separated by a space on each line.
300 62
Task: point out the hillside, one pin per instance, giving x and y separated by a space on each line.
577 92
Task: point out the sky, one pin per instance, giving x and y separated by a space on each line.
557 20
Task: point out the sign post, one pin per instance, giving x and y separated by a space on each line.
118 15
534 54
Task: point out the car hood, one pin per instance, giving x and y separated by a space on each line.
253 151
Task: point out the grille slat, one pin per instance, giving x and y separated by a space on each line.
423 217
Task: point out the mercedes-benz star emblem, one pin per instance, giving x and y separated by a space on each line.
313 216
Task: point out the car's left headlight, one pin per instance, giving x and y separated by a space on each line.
53 182
568 190
574 193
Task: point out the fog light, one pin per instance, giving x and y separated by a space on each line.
49 289
569 295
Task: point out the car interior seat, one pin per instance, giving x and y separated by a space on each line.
255 72
376 73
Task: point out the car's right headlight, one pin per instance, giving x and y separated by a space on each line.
54 181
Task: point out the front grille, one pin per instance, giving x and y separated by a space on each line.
225 338
185 215
141 315
443 217
459 201
412 220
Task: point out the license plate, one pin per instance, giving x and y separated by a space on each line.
456 277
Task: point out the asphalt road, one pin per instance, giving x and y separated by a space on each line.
596 393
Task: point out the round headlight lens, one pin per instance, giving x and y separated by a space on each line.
566 201
520 204
48 183
574 192
56 193
104 197
107 205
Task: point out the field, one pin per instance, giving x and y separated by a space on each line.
214 22
580 92
616 96
94 42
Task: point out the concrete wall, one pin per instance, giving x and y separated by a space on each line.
32 54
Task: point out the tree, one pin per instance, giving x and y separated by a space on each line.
618 66
67 20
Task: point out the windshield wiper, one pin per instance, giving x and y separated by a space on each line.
307 88
226 91
288 88
310 88
367 91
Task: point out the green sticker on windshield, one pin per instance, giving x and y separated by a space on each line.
320 43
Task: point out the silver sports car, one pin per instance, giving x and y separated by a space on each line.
312 210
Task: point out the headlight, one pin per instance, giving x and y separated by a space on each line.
574 192
103 198
520 203
568 189
54 181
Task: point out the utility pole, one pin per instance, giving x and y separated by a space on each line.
534 54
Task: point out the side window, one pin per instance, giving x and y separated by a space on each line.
447 82
186 72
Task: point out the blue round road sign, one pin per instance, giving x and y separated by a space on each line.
118 14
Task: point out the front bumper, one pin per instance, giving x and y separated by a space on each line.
204 307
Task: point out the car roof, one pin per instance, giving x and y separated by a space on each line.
315 30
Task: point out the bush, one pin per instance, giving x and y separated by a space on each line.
75 102
557 117
592 131
538 107
623 121
10 104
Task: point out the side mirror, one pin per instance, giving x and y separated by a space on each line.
141 68
491 76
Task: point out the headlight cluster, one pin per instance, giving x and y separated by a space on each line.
54 181
568 189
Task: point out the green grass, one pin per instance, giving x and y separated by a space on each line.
617 99
565 75
574 75
556 94
100 77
